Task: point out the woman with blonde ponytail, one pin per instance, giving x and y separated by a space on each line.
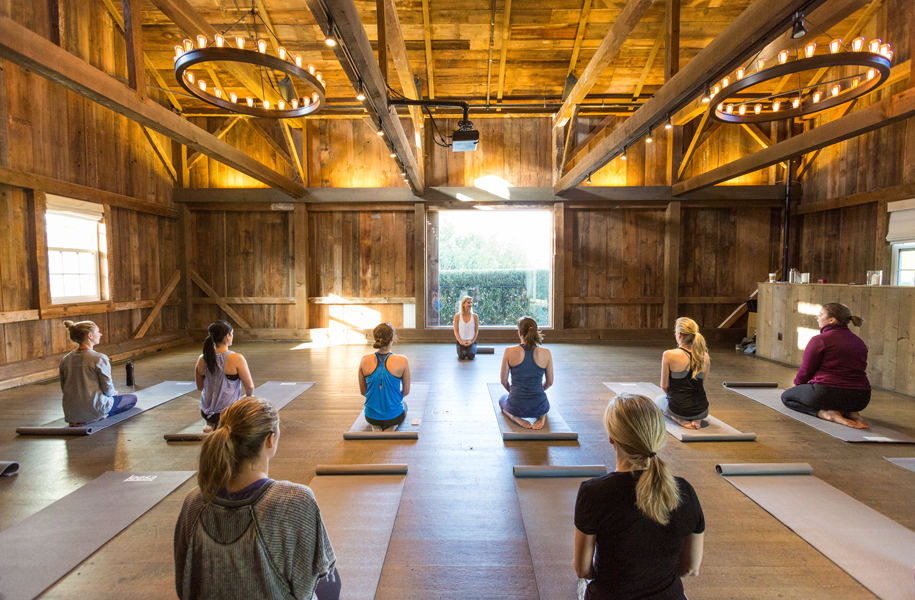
241 534
683 373
531 369
638 529
384 380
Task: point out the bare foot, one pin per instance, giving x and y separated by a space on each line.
539 423
860 423
836 417
519 420
392 428
208 429
686 424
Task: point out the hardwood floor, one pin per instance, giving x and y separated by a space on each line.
459 532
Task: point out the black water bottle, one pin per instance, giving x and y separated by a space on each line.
129 368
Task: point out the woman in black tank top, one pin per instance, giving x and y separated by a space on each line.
684 399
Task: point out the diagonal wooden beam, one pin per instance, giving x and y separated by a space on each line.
209 291
133 37
759 136
503 51
294 151
119 21
651 58
27 49
591 135
160 152
761 21
160 302
358 61
695 142
271 141
579 35
427 38
398 47
628 18
889 111
219 134
570 133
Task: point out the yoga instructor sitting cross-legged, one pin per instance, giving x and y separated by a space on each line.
831 383
466 329
528 365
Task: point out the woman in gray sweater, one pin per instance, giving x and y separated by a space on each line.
85 378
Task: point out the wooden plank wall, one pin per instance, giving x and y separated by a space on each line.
210 173
645 164
54 133
348 153
888 329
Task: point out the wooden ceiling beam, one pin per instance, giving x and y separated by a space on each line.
133 38
759 22
628 18
579 35
503 50
671 39
358 49
888 111
427 38
398 47
591 135
648 64
31 51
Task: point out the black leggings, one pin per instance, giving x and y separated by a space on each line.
811 398
466 352
389 422
212 420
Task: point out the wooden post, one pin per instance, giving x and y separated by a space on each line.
38 241
674 153
54 21
559 292
382 39
671 264
883 251
109 252
300 235
4 116
419 266
672 39
188 265
133 36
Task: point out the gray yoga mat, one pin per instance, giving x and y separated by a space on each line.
749 384
589 471
555 428
877 433
873 549
279 393
38 551
148 398
905 463
712 429
416 407
359 513
548 511
486 349
387 469
8 469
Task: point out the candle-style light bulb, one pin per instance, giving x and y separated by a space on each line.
810 49
782 57
218 92
757 109
835 90
305 101
776 105
240 42
725 82
855 82
298 61
740 73
262 46
266 105
188 45
857 44
202 41
233 97
311 69
202 85
294 103
190 77
871 73
760 64
281 105
874 45
318 76
816 97
179 50
220 41
795 103
835 45
729 109
281 52
314 98
884 49
742 109
250 100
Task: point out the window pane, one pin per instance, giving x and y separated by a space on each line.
71 285
907 259
55 263
57 286
71 232
86 262
71 262
906 278
88 285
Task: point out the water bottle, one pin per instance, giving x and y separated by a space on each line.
129 367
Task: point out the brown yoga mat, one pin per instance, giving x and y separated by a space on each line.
416 408
555 427
359 513
8 469
875 550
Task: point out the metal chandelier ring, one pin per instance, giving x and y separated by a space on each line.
868 60
205 55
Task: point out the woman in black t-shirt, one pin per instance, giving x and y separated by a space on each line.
638 529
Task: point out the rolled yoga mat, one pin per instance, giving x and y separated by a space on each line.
711 430
555 428
416 407
749 384
389 469
148 398
38 551
486 349
279 393
359 513
873 549
7 469
877 433
548 511
905 463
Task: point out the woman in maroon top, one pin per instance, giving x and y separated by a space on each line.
831 383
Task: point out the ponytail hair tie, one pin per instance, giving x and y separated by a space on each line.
652 454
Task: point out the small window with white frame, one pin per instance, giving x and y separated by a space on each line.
904 263
77 258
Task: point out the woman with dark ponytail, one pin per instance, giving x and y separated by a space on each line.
241 534
384 380
221 374
528 364
832 382
639 529
683 373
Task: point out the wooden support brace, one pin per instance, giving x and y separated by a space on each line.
160 302
209 291
160 152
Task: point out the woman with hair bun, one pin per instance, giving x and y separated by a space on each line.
683 373
832 382
384 380
528 365
220 374
85 379
241 534
639 529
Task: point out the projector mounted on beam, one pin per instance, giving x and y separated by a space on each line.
464 139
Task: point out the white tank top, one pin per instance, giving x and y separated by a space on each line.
466 330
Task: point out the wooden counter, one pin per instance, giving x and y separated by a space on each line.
786 319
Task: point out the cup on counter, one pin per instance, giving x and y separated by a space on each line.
875 278
805 277
772 277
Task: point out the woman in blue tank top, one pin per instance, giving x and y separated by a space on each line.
528 365
221 374
384 380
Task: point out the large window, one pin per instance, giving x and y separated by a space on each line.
74 230
904 263
500 258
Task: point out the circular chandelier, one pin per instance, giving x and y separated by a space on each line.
872 62
232 50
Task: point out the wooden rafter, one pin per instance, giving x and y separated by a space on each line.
759 136
579 35
219 134
875 116
591 135
739 40
503 51
160 302
695 142
281 153
427 38
159 150
294 151
570 133
398 47
651 58
671 39
209 291
628 18
133 38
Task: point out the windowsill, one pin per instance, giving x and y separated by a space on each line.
67 302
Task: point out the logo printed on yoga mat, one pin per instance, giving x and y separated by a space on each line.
290 383
141 478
